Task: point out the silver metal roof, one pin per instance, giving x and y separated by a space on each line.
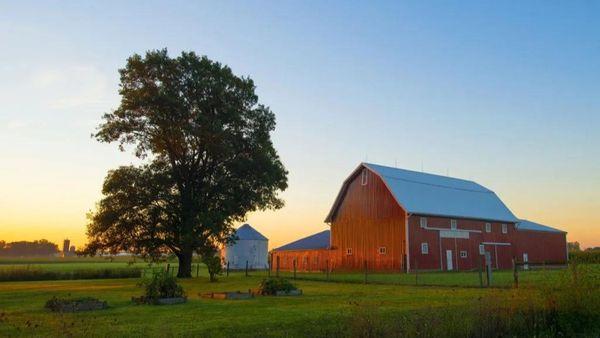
529 225
435 195
319 240
246 232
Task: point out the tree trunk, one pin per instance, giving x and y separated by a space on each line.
185 264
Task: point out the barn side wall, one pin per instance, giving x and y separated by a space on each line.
306 260
540 246
440 239
368 219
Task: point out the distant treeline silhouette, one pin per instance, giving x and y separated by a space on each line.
40 247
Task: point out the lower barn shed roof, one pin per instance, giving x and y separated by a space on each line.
319 240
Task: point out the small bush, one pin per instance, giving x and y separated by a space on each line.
161 285
270 286
214 266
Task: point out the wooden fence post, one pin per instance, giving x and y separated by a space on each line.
480 273
168 267
197 269
515 273
246 268
416 271
294 268
227 268
365 263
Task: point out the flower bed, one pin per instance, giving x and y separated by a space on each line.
227 295
75 304
159 301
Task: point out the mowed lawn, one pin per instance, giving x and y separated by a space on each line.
323 304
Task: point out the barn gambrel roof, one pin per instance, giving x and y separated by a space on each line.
434 195
246 232
319 240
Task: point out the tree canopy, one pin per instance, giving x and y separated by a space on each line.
208 158
40 247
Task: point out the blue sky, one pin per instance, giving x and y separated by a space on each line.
505 94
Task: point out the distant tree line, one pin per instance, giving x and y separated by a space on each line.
576 247
40 247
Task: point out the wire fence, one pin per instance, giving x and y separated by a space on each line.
528 274
523 275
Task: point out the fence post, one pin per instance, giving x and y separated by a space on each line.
227 268
168 267
479 269
246 268
416 271
197 270
294 268
365 263
515 273
277 270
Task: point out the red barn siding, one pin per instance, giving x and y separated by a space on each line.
306 260
367 219
436 259
540 246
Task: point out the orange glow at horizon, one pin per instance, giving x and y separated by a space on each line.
303 215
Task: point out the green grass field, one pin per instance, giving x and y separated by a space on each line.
325 309
22 311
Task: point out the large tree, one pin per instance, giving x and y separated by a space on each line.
208 159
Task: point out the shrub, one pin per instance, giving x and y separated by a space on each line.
270 286
161 285
213 265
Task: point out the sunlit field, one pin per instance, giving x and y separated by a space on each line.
340 307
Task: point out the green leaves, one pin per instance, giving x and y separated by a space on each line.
209 151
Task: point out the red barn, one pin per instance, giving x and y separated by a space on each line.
397 220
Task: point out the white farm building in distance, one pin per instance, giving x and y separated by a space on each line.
250 246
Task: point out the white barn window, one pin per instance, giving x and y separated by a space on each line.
382 250
364 177
349 251
424 248
488 227
504 228
423 222
463 254
453 224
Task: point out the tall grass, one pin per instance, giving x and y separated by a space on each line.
25 274
569 307
589 257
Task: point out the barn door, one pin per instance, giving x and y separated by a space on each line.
449 266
